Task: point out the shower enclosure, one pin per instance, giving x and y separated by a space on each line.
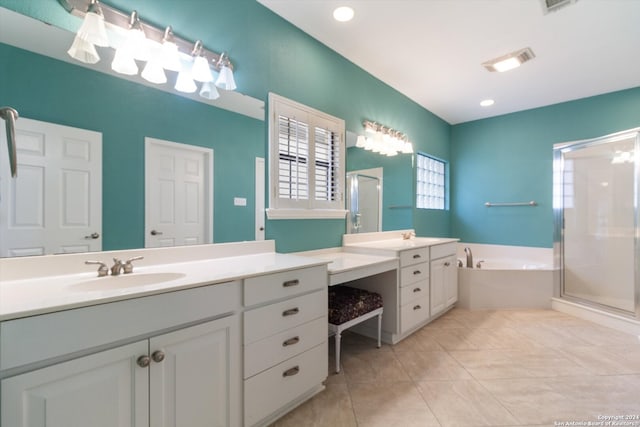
596 221
363 202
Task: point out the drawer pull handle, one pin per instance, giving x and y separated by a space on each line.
447 264
417 307
290 312
157 356
291 341
417 290
416 256
417 272
143 361
291 372
289 283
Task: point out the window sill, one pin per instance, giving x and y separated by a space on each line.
305 213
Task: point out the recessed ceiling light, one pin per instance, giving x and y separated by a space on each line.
343 14
509 61
487 102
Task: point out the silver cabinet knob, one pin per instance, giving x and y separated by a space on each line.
143 361
156 233
447 264
290 312
291 372
158 356
92 236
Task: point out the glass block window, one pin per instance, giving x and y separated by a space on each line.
431 183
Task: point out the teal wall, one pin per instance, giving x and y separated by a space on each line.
269 55
509 159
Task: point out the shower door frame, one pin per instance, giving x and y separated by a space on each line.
558 216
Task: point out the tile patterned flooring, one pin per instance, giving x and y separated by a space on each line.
482 368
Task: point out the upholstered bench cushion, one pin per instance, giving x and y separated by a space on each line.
347 303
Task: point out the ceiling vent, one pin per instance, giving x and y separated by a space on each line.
553 5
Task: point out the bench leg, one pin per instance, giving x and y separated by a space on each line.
338 337
379 329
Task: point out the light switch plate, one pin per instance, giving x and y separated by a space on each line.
239 201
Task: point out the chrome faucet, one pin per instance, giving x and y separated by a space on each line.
128 266
467 251
103 270
117 267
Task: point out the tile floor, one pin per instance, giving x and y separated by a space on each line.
483 368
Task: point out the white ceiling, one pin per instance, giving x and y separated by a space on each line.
431 50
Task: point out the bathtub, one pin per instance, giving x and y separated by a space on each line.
509 277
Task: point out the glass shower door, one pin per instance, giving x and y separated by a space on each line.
598 201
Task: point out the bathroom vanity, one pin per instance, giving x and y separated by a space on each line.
427 279
164 345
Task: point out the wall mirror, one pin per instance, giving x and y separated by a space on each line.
186 118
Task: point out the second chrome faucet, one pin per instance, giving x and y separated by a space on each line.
117 267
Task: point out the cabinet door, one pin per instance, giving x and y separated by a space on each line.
450 281
197 382
438 301
106 389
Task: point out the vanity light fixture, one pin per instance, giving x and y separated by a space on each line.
160 48
200 71
509 61
209 91
93 29
225 78
384 140
170 53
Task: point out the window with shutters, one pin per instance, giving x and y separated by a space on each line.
306 167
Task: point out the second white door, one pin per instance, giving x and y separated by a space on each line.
178 194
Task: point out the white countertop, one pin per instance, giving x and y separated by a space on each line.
28 297
345 266
400 244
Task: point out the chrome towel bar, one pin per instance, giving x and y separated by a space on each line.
497 205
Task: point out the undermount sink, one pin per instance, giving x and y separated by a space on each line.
125 281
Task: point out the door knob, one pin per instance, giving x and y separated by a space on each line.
156 233
92 236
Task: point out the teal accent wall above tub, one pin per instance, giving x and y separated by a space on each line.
509 159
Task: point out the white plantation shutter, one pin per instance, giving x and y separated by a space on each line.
307 152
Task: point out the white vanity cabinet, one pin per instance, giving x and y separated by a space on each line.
285 341
414 288
444 277
79 368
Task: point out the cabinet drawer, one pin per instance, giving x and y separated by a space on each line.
276 387
37 338
414 273
414 313
414 292
270 351
272 287
266 321
414 256
447 249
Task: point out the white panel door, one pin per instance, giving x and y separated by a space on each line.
195 382
178 194
106 389
55 203
259 198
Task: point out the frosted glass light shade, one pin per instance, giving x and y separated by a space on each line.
185 82
201 71
83 51
153 72
137 43
361 141
123 62
209 91
170 56
93 30
407 148
225 79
